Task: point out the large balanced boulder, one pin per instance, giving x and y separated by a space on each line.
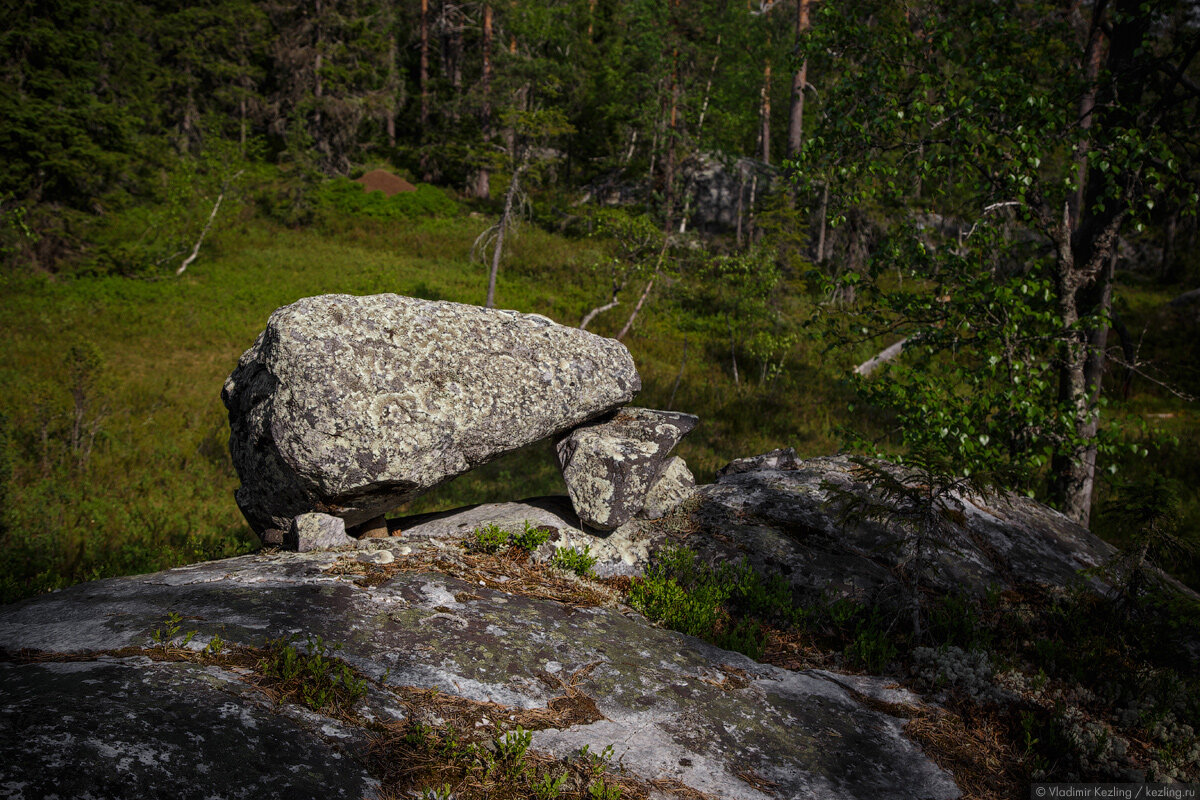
611 464
350 406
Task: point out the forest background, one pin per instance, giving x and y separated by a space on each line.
1006 188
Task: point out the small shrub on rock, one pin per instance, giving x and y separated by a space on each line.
574 560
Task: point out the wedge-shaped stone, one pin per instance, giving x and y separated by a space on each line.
675 485
611 464
352 405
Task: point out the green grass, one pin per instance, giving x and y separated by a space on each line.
156 489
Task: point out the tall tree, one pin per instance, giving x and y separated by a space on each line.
1008 138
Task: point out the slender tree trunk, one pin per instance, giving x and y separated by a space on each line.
672 131
591 20
687 200
187 262
796 117
505 221
482 187
662 255
423 69
1092 58
1166 264
733 353
824 212
766 114
741 205
751 232
393 81
1087 239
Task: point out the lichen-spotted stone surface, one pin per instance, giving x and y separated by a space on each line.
134 728
352 405
675 485
779 513
611 464
672 706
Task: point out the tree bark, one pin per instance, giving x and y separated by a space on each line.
824 213
423 69
482 188
393 81
766 113
687 199
662 254
505 218
876 361
1087 239
796 117
187 262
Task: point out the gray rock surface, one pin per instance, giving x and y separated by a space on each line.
779 515
625 551
315 531
675 485
135 728
352 405
671 706
782 459
713 183
611 464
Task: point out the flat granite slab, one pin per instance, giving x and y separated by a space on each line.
672 706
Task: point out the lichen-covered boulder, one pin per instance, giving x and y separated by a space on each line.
352 405
611 464
675 485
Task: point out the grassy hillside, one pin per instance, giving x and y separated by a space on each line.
156 488
117 454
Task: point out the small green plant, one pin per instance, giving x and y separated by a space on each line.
437 793
167 637
215 645
574 560
600 790
510 751
531 538
548 788
315 676
491 538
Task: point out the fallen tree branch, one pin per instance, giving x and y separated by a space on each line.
187 262
879 359
591 315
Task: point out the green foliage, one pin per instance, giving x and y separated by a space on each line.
1149 513
510 752
167 637
727 605
491 538
531 537
547 787
572 559
314 676
343 198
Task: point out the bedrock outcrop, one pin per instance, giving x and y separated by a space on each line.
84 717
350 406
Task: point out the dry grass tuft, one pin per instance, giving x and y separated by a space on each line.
973 745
